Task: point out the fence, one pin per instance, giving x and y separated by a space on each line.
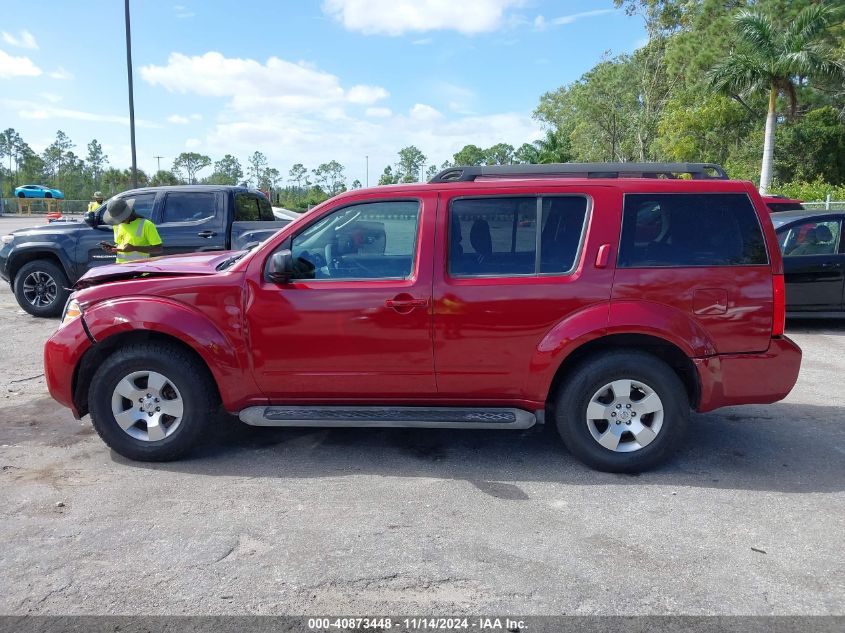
826 205
41 206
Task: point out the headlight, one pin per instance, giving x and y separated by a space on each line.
7 239
72 311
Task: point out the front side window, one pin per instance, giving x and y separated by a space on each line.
499 236
189 207
143 205
683 230
811 238
375 240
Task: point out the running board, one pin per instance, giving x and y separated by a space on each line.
402 417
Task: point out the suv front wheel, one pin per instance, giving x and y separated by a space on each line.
623 411
151 402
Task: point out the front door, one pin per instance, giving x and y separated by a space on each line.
814 267
354 325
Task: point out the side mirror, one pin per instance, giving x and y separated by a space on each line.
92 219
280 268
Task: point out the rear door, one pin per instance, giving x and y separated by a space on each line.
192 221
253 220
813 264
512 264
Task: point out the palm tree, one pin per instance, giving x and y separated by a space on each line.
774 59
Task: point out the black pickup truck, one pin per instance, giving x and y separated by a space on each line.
42 263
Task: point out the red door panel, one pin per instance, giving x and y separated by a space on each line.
327 340
488 329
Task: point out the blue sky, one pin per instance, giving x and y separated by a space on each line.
300 81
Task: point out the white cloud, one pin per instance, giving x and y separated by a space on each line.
40 112
178 119
379 113
24 39
541 23
17 66
395 17
60 73
422 42
423 112
49 96
250 85
294 112
366 95
193 143
182 12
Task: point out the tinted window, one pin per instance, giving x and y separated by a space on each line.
785 206
376 240
189 207
265 211
563 225
690 230
493 236
498 236
246 207
811 238
143 204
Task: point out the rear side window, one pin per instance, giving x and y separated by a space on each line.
500 236
251 208
189 206
665 230
143 205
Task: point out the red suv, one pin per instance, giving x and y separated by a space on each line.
607 300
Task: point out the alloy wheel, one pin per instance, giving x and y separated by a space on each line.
147 406
625 415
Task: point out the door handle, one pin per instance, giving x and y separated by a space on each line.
402 303
206 234
830 265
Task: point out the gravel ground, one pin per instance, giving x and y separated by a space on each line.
748 519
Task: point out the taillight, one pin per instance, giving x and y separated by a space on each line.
779 312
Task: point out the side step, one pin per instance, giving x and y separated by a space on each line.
402 417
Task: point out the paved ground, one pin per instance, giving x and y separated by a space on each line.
747 520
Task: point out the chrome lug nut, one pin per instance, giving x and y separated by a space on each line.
627 406
628 422
618 406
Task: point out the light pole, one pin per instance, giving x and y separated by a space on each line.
158 159
367 178
131 95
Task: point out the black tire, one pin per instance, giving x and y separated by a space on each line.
48 195
32 304
190 377
590 376
21 195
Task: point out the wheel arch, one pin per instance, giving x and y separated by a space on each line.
20 258
95 355
133 319
659 347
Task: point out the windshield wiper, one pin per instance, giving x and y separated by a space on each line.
226 263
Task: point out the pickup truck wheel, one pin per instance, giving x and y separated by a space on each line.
622 412
41 288
151 402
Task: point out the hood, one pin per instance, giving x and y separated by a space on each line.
53 228
190 264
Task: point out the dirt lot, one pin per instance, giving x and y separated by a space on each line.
748 519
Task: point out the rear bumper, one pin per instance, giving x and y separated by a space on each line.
729 379
62 353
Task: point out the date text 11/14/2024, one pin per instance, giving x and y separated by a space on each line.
416 624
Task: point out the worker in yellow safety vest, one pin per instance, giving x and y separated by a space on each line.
135 237
97 202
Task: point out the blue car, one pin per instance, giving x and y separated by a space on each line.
37 191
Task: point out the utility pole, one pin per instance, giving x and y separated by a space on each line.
158 159
368 170
131 95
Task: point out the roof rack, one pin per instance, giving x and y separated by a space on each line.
698 171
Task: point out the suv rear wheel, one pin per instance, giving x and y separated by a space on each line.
151 402
623 411
41 288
